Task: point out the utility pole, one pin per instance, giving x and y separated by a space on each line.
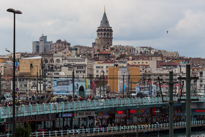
103 83
188 99
171 131
137 120
123 86
73 76
128 83
188 104
158 79
100 87
40 82
37 83
0 87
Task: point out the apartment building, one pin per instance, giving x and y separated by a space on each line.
170 53
60 45
5 69
29 67
115 78
42 45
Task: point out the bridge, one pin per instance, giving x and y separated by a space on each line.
38 109
114 131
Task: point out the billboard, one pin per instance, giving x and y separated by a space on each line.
64 86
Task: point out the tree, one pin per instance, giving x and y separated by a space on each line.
22 131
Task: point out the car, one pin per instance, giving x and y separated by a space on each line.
98 96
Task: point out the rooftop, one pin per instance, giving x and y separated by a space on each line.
38 57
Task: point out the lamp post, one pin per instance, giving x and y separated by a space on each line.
137 120
14 12
37 83
103 82
0 88
73 79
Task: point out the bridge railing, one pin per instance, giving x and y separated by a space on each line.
141 128
36 109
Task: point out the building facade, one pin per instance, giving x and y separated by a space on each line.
60 45
104 37
42 45
115 78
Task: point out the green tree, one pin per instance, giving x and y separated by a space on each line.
22 131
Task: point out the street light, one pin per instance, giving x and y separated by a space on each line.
14 12
137 120
103 82
73 79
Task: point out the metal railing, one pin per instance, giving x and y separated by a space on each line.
37 109
114 130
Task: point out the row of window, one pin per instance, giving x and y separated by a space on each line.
80 71
80 67
97 71
21 85
160 75
75 60
141 62
101 66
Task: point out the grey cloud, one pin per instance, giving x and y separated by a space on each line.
136 23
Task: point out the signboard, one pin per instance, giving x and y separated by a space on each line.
2 120
17 89
178 114
199 110
63 86
120 115
33 118
120 112
66 115
88 113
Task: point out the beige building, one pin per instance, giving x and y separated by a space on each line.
99 68
60 45
138 62
5 69
29 67
115 78
123 49
170 53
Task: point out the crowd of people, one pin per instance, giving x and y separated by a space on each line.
67 98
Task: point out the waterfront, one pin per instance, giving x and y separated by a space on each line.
196 132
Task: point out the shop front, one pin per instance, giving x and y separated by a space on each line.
198 114
37 121
157 115
102 118
65 121
177 112
84 119
140 116
121 118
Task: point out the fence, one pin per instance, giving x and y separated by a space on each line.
37 109
114 130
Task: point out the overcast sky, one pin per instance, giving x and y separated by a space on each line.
134 22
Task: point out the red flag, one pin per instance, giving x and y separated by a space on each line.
93 84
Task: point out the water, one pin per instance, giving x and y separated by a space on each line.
196 132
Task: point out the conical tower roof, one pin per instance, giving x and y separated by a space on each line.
104 22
